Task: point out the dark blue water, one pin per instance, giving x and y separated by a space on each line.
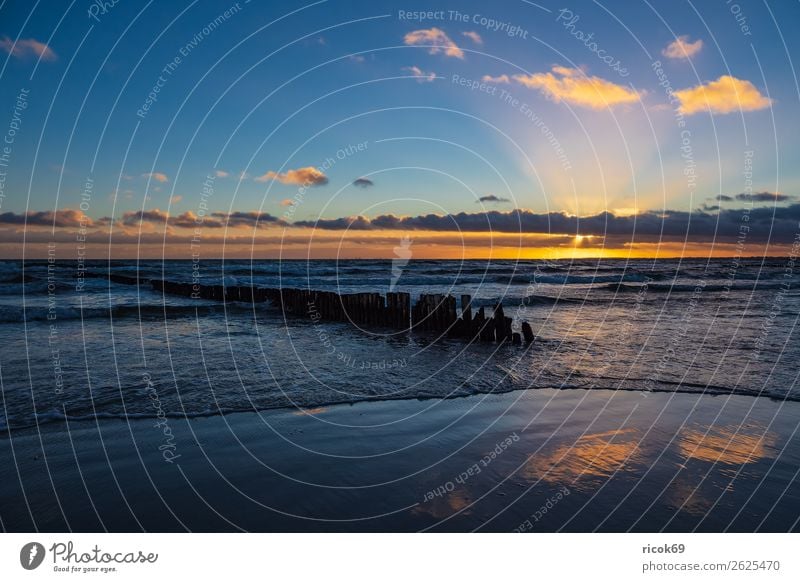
90 347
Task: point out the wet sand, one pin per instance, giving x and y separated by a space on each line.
537 460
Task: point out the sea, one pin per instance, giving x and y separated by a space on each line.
78 344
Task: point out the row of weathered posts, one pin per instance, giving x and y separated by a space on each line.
432 313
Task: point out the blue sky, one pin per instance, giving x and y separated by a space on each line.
276 87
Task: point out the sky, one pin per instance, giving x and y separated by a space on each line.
338 128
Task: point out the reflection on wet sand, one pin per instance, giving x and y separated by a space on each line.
310 411
731 447
728 445
597 455
446 505
683 494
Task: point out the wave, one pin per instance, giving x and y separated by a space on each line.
662 386
688 288
527 301
568 279
144 311
15 278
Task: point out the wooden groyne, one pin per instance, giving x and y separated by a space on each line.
432 313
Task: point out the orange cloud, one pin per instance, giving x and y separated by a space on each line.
437 41
221 174
157 176
308 176
25 47
473 36
577 88
499 79
725 95
681 48
422 76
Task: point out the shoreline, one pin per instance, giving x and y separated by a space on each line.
110 416
677 462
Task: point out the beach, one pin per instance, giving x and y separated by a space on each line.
534 461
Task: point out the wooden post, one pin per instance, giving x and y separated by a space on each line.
499 323
405 310
451 311
438 313
488 330
430 312
477 324
466 308
381 313
527 332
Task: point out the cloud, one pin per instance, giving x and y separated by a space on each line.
492 198
725 95
363 182
357 58
437 41
681 48
236 219
221 174
764 197
575 87
499 79
26 47
287 202
62 218
135 217
308 176
175 199
473 36
345 223
157 176
191 220
777 225
724 198
422 76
